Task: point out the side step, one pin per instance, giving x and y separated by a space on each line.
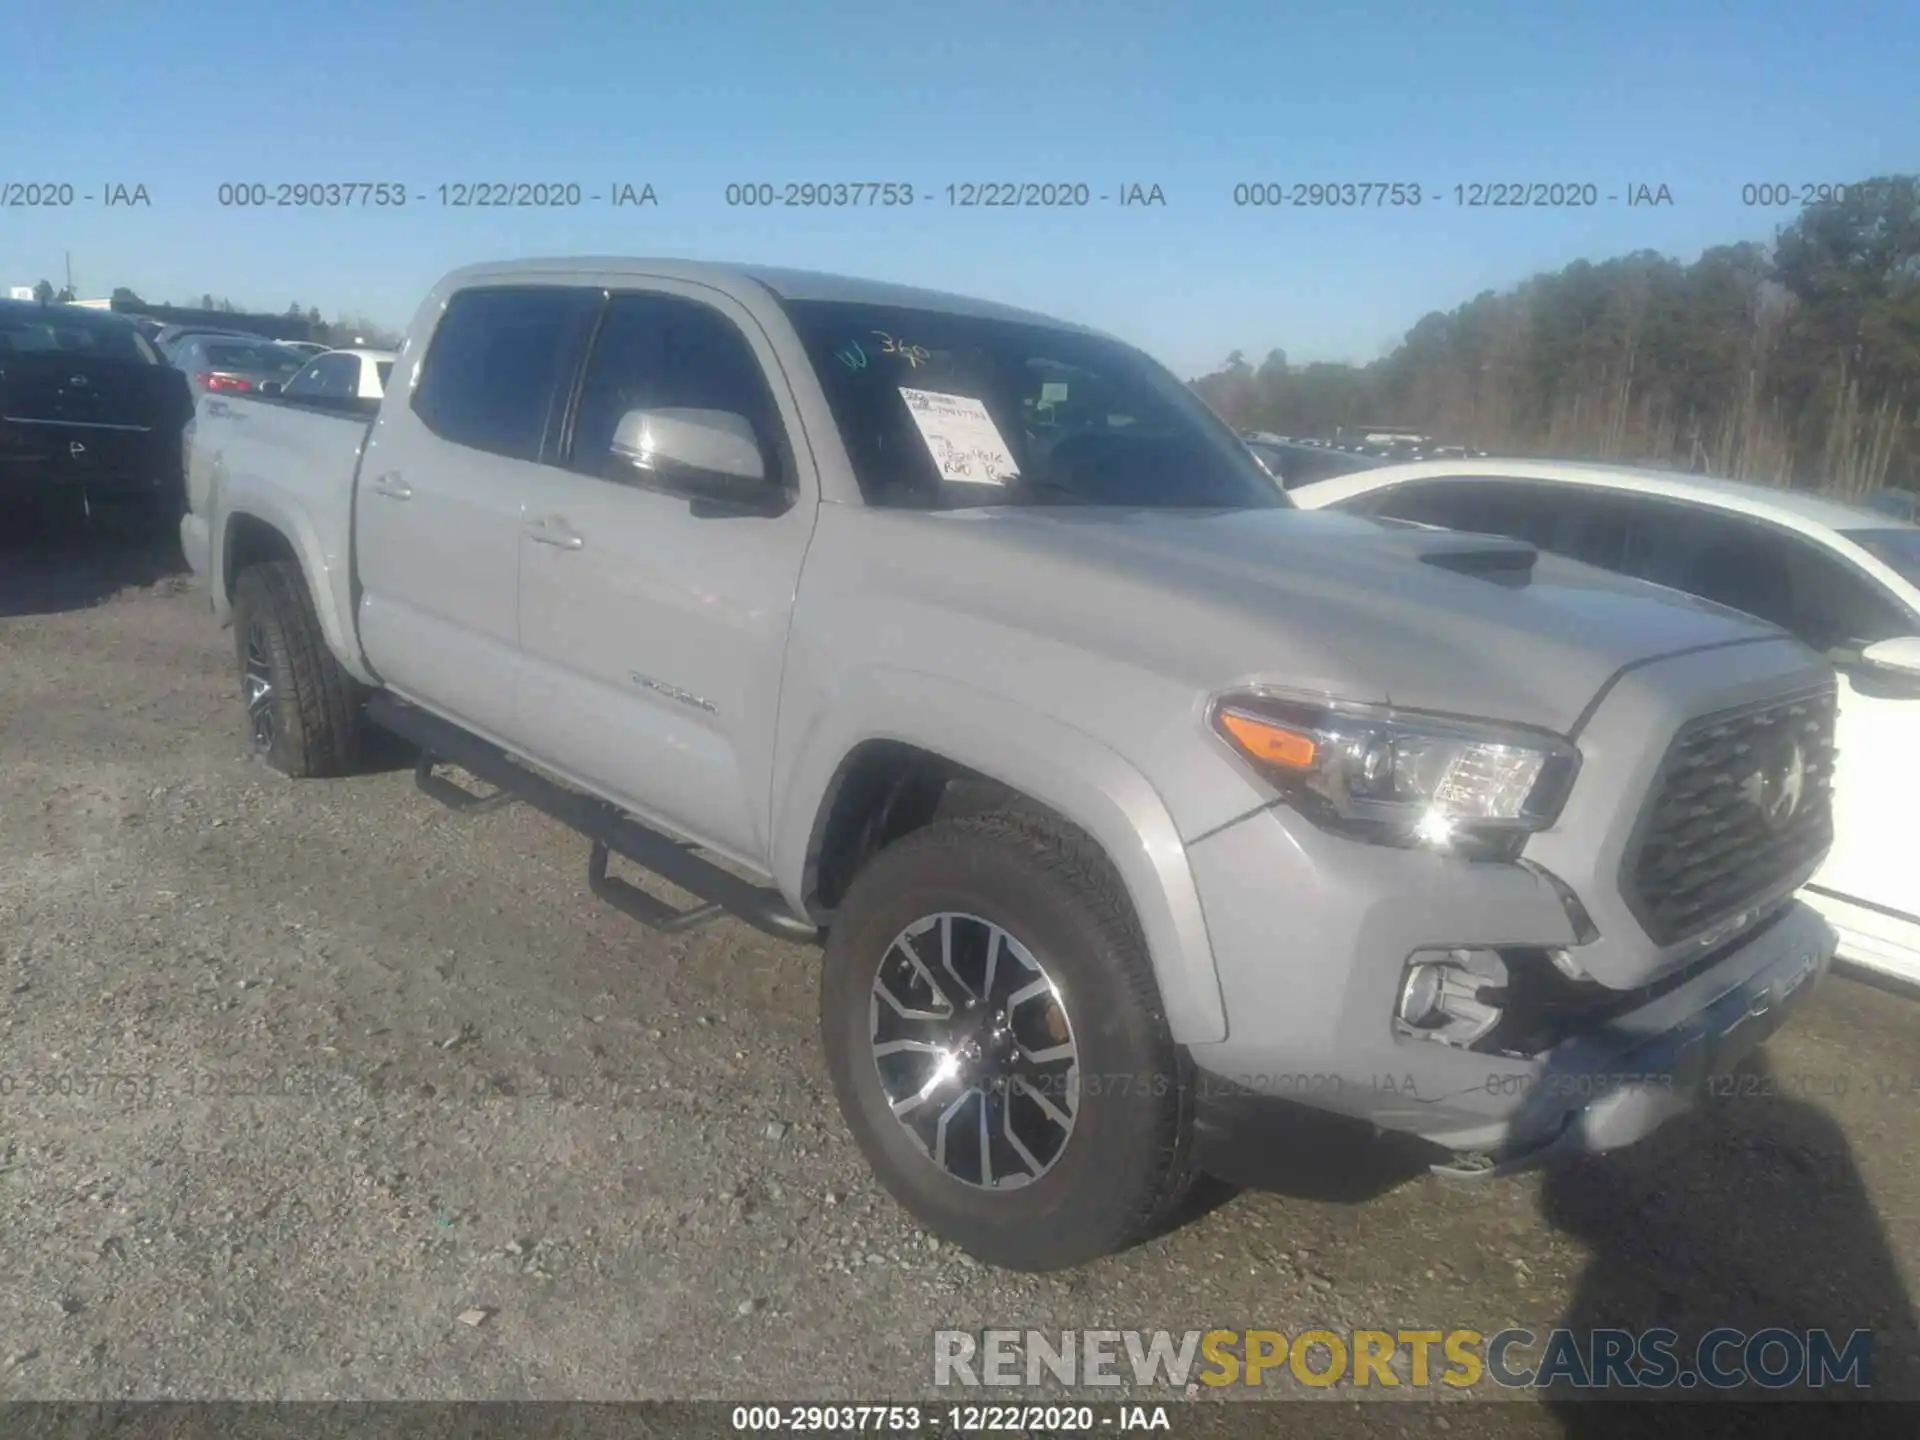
611 830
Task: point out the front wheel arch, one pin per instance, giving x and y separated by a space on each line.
963 733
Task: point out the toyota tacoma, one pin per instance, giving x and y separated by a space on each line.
1129 801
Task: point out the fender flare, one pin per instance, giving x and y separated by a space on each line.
1040 756
324 581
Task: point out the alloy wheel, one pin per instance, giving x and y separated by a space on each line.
257 685
975 1051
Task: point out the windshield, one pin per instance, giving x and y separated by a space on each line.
55 333
259 359
943 410
1897 549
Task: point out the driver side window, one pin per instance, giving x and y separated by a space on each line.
656 352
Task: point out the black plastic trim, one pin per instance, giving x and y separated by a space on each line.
610 828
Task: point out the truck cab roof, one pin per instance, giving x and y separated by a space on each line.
786 284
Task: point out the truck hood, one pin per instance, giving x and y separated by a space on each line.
1368 610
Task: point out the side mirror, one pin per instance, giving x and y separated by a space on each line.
1898 656
271 387
711 457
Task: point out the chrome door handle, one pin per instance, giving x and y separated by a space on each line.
391 487
554 531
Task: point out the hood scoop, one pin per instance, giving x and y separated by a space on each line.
1485 557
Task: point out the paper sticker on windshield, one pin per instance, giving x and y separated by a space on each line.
961 436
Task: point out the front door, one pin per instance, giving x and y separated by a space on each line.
653 633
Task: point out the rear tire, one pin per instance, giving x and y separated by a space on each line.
303 711
1003 1176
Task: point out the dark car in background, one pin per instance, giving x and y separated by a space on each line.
170 336
89 413
233 362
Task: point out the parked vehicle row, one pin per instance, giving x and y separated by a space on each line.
1130 800
1292 463
1846 581
93 404
1302 461
231 361
221 361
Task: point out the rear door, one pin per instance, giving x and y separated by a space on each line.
653 633
443 495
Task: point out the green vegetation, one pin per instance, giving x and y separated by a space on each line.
1797 363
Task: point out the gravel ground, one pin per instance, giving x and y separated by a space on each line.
373 1066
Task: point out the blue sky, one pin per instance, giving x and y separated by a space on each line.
1194 97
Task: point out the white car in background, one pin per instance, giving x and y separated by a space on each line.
1845 581
341 375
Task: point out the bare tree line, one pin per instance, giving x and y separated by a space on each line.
1791 364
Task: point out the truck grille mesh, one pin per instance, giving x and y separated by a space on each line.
1743 803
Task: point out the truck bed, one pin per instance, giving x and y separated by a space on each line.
292 464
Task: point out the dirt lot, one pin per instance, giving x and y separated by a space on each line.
379 1065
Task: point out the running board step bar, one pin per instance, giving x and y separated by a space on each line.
650 911
455 797
611 830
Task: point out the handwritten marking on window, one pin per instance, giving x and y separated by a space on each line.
914 355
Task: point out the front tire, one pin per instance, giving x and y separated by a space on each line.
303 711
997 1043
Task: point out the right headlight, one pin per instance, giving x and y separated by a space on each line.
1402 777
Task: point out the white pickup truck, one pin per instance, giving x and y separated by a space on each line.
1131 801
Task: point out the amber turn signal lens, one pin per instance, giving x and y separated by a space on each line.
1269 743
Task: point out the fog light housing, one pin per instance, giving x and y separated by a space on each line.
1444 995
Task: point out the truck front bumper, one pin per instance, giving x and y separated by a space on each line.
1314 1025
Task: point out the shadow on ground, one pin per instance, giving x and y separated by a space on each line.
1749 1214
55 559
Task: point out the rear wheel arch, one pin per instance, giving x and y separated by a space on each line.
247 541
253 534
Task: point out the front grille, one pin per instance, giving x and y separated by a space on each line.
1722 829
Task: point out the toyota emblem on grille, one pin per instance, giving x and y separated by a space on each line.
1777 786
